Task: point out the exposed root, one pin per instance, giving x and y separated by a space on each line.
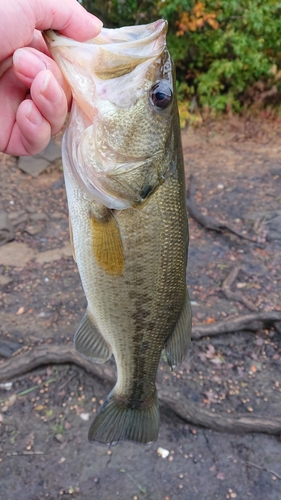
236 423
238 296
251 321
186 409
206 220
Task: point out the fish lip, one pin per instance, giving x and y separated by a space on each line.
155 30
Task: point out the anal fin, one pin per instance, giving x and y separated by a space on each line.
176 346
89 342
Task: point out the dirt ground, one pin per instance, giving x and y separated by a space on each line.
45 414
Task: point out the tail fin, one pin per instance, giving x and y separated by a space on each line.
116 422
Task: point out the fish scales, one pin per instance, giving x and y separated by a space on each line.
124 176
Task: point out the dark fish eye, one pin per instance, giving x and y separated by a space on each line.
161 95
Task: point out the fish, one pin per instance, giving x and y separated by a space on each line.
125 183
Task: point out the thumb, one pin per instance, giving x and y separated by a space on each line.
66 16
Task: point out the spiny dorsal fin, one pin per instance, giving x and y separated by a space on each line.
89 342
176 346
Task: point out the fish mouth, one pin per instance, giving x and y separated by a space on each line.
128 36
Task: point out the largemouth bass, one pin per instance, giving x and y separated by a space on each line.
124 176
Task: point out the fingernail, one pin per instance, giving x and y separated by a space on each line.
33 115
24 58
51 89
98 23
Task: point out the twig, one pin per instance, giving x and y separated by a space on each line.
27 391
16 454
238 296
206 220
249 464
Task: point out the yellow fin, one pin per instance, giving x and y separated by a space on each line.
107 244
71 239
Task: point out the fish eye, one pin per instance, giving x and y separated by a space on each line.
161 95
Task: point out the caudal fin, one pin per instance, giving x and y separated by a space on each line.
116 422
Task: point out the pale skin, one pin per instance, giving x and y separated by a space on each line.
34 97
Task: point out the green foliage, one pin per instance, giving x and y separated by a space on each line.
221 64
221 48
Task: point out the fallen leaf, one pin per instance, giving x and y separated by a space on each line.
59 438
85 416
208 321
29 442
162 452
221 476
202 356
212 398
12 399
210 351
217 361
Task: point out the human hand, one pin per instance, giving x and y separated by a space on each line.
34 97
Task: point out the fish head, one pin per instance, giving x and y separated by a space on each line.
120 135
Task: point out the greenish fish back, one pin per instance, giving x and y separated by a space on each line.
177 344
117 422
89 342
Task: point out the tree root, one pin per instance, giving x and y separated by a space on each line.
221 422
237 296
186 409
252 322
206 220
48 354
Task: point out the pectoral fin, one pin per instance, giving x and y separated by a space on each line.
107 243
177 344
89 342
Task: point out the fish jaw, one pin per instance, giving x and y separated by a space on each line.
112 151
115 52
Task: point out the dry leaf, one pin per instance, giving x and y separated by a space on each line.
210 351
210 320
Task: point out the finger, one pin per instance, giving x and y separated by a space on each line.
24 128
28 62
49 98
68 17
31 133
12 92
